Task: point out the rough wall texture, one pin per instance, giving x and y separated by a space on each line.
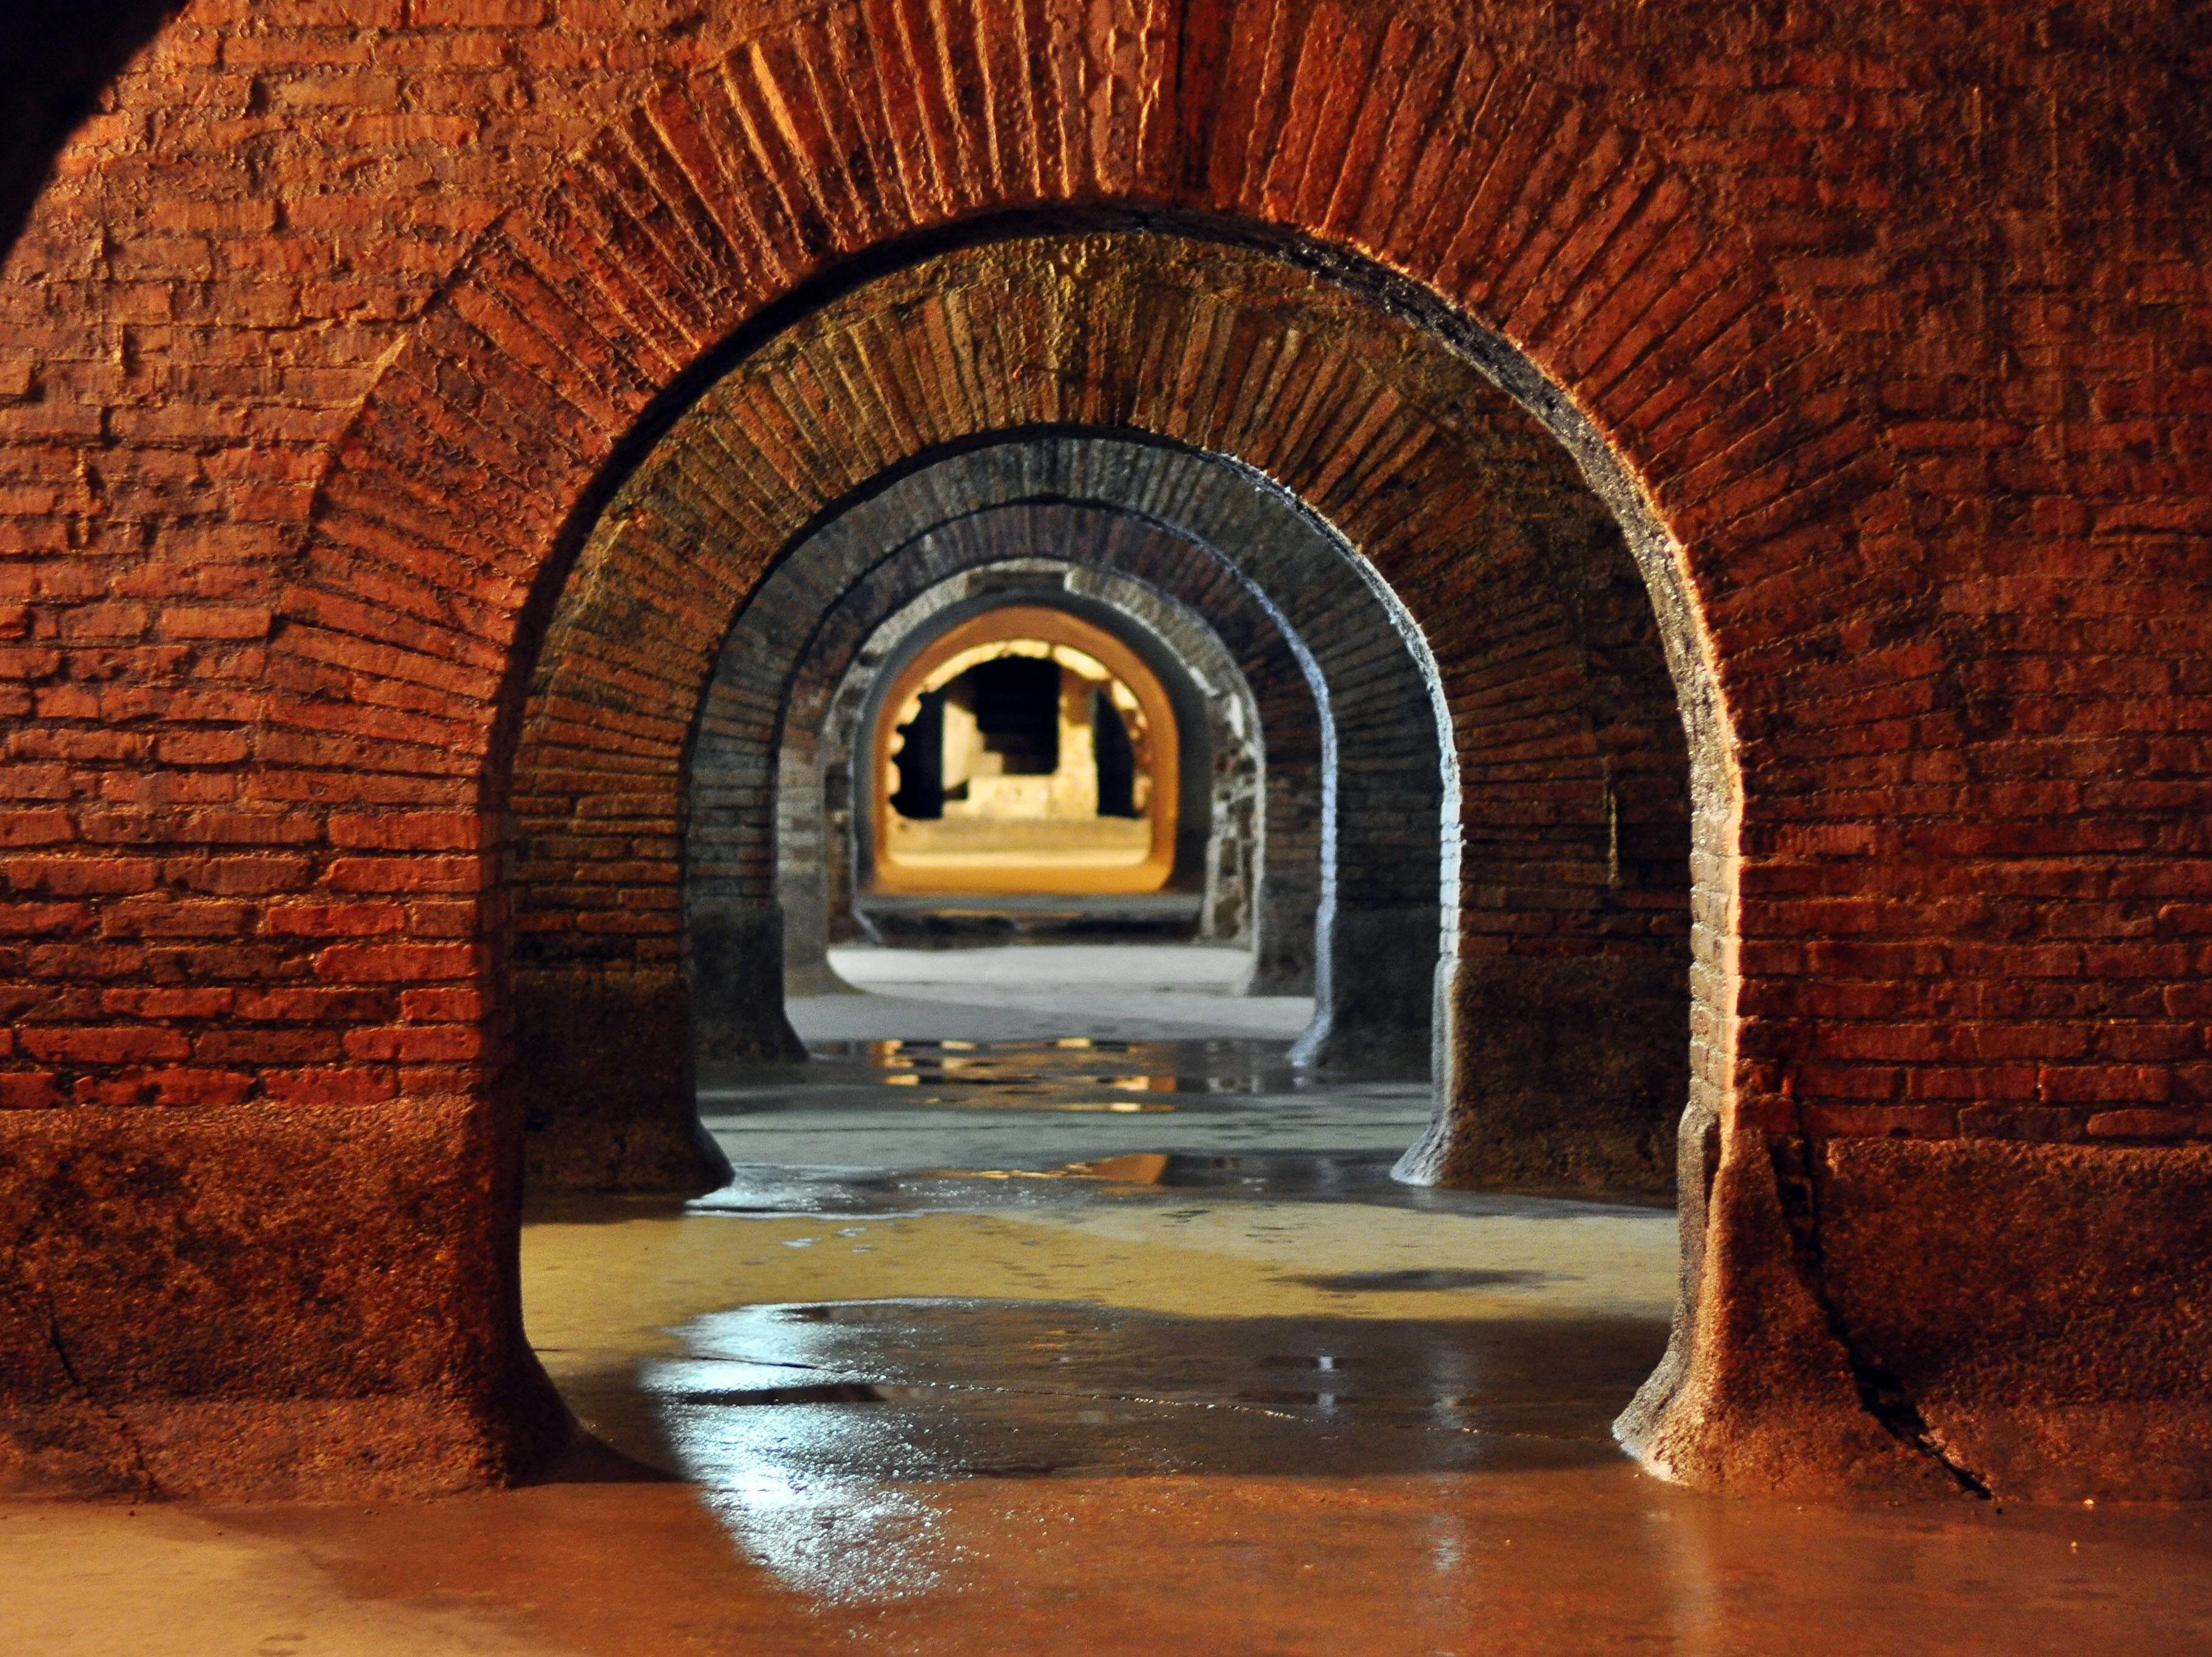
1881 327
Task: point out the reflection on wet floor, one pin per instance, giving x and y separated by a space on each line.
908 1104
998 1336
1118 1179
1047 1070
1229 1302
996 1388
1070 1072
1199 1403
852 1411
970 1363
1158 1283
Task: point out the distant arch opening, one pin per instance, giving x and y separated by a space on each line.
1024 750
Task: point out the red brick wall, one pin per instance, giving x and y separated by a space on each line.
1775 264
334 318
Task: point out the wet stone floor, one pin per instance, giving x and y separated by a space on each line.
1069 1317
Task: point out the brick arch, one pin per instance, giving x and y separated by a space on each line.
1170 585
630 648
1649 355
829 761
575 323
1928 922
1566 666
1283 598
631 652
782 660
523 383
576 327
1196 601
571 325
1092 504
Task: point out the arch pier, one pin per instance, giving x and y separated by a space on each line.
1716 565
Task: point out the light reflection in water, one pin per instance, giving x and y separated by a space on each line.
843 1541
826 1436
805 1477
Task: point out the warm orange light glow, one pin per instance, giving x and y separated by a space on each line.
1008 828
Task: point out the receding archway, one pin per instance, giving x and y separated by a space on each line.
1165 516
1383 851
1232 858
1559 695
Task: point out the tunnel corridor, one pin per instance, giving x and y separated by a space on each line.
1176 825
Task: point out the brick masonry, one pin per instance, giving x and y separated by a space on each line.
773 743
776 770
825 768
1539 670
599 904
1121 498
1877 331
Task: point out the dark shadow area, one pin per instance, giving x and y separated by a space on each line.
989 922
1419 1278
921 761
56 58
1117 759
585 1459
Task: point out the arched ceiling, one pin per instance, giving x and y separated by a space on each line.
1434 474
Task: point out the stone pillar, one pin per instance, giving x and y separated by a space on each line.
735 960
604 1071
1290 884
1375 967
237 1302
1564 1073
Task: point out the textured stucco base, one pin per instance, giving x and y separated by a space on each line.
315 1449
1567 1074
318 1302
1373 990
1943 1317
1283 953
735 972
604 1062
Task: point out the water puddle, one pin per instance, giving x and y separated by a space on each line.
983 1387
1031 1106
1123 1178
1152 1259
1071 1073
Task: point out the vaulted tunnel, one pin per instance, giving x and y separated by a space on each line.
1710 552
1229 832
1571 889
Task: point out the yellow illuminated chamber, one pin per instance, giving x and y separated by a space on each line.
1025 751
